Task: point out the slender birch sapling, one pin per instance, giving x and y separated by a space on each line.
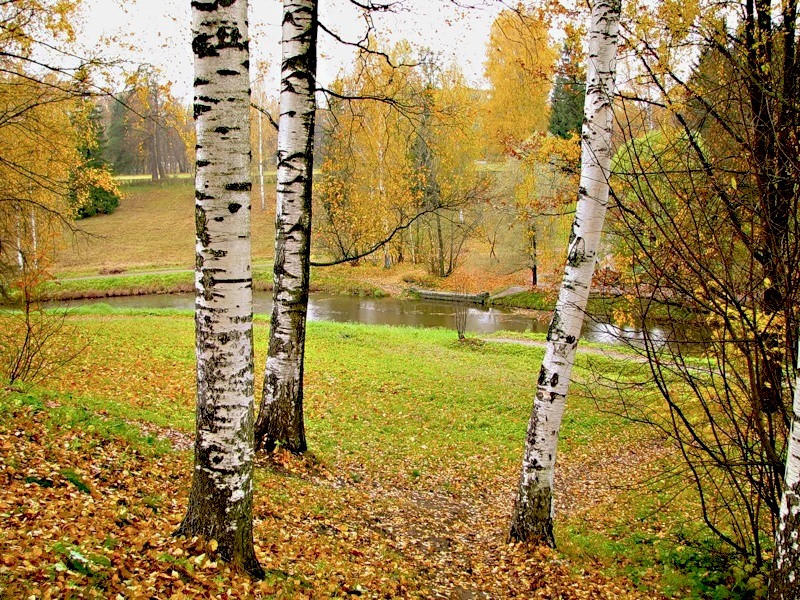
532 519
280 419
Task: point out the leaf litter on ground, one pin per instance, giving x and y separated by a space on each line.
87 515
92 488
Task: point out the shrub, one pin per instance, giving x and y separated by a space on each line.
101 201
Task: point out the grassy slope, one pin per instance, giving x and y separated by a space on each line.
153 230
416 441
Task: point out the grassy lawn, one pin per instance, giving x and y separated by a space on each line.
415 446
153 228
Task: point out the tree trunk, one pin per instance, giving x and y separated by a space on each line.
439 246
261 160
221 498
785 582
158 142
280 420
20 251
532 519
534 256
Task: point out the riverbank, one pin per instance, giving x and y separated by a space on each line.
171 281
416 440
364 282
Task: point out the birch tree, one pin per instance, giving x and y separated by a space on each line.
785 583
280 419
532 519
221 498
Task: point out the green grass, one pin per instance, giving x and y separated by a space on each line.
331 281
66 412
119 285
183 281
153 228
406 408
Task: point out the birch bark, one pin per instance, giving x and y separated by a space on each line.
785 582
280 420
221 498
532 519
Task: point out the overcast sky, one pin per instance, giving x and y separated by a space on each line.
157 32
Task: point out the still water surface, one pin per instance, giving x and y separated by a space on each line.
396 311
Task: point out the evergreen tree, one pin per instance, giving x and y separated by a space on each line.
569 90
103 195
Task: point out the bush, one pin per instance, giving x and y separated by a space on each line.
100 202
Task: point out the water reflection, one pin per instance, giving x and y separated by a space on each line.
396 311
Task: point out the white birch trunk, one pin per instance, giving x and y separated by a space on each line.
261 158
532 519
280 420
220 502
34 239
20 252
785 583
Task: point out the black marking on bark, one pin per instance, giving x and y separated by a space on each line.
234 207
244 186
201 225
222 130
554 331
209 99
246 64
198 81
202 163
554 380
298 227
202 46
219 253
219 219
211 6
199 109
542 376
570 339
577 253
287 185
230 37
247 280
198 195
227 72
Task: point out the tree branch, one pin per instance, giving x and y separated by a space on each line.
378 245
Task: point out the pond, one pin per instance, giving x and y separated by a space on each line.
399 311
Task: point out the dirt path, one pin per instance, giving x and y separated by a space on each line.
606 352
